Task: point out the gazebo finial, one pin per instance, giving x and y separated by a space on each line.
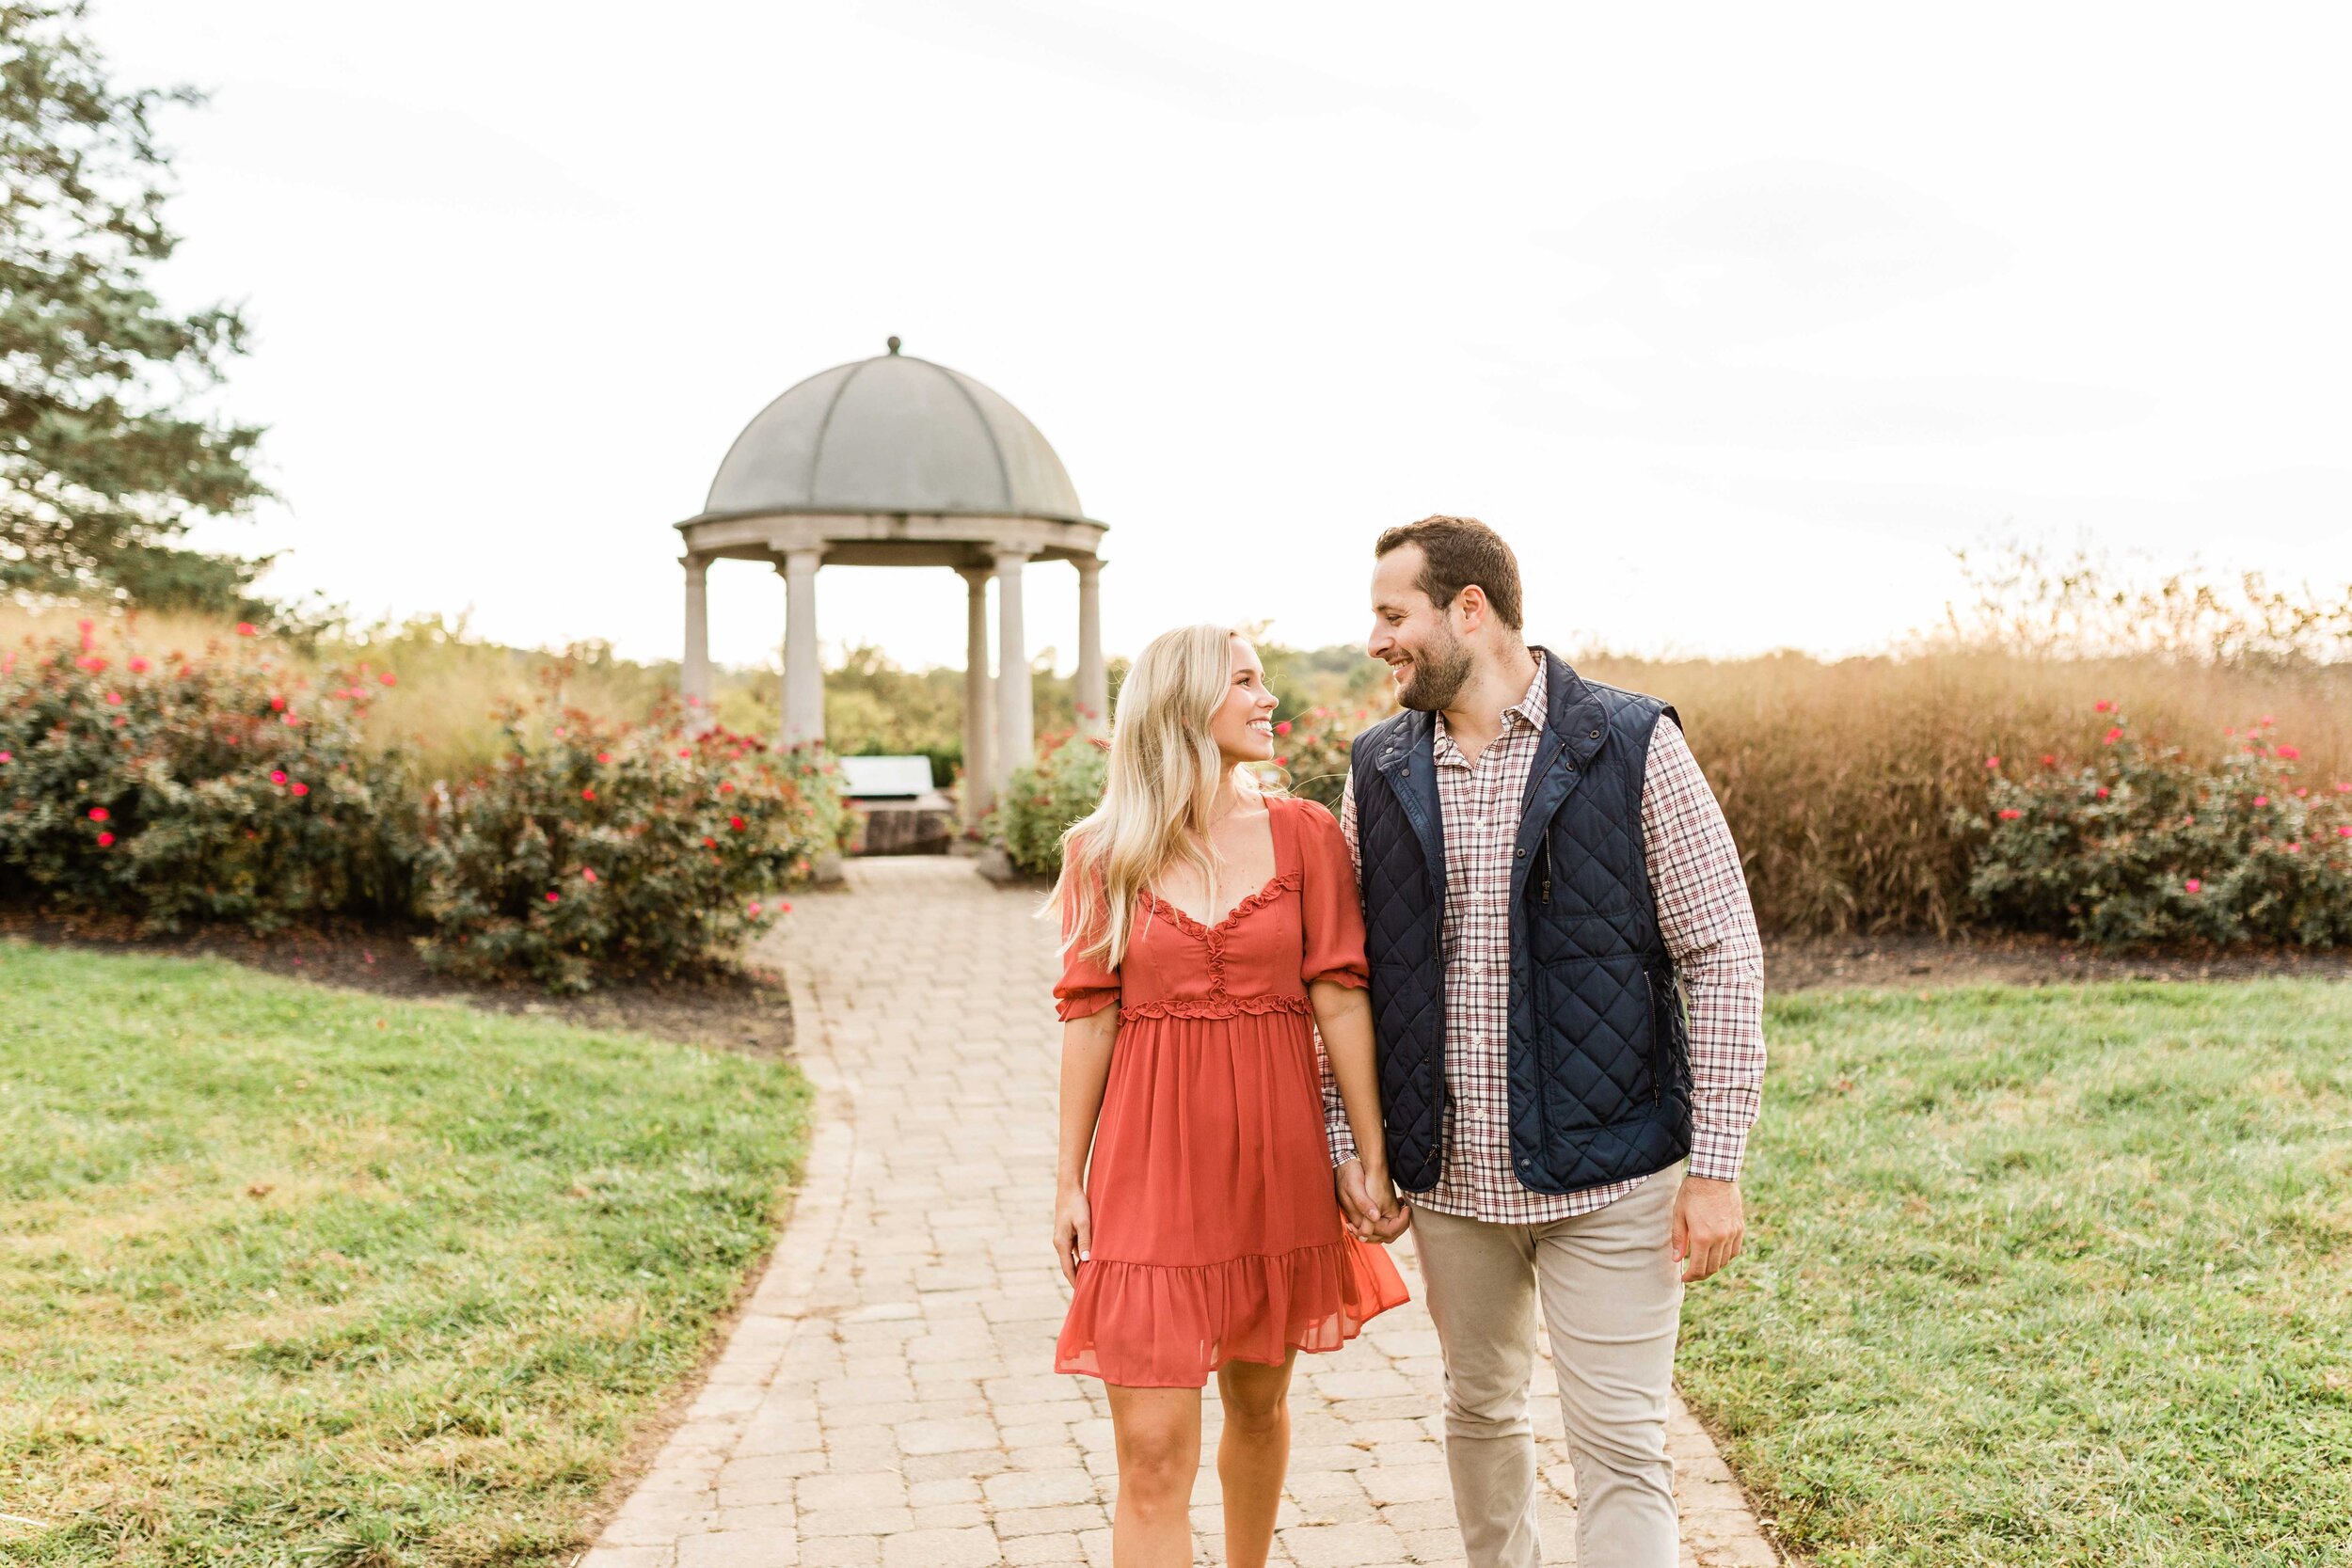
894 345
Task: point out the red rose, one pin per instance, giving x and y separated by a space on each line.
244 628
299 788
587 873
2193 885
2010 813
138 667
99 814
278 776
588 794
2289 753
1282 728
736 822
105 840
551 899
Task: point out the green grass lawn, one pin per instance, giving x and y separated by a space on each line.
302 1277
2049 1276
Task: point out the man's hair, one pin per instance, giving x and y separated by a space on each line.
1455 553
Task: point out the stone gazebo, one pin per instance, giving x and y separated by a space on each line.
897 462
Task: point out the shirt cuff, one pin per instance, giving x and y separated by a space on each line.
1717 1151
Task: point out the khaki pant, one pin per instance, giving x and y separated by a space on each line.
1612 1298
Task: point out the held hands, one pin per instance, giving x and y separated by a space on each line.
1709 1224
1373 1209
1074 1231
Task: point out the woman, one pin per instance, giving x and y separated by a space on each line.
1210 928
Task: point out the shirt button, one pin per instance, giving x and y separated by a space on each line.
1478 1042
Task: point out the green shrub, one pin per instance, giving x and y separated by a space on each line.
216 786
1042 798
2142 845
597 850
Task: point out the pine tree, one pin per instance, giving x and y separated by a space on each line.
104 460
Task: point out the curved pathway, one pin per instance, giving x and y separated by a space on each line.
887 1400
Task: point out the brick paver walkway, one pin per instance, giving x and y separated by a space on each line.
888 1399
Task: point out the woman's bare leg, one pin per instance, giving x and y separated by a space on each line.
1157 1432
1253 1454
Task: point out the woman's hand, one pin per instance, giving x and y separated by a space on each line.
1074 1231
1369 1202
1394 1214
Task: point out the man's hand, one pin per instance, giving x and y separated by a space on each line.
1709 1224
1374 1210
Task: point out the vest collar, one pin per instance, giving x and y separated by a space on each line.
1574 714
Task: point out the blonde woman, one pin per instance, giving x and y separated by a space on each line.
1210 928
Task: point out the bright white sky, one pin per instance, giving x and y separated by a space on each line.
1735 320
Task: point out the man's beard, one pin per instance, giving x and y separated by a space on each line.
1439 673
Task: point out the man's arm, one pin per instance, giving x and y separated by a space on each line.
1708 925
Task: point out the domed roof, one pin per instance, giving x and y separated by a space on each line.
892 434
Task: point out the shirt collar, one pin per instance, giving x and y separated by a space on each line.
1530 709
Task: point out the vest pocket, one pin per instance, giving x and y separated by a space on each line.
1597 1066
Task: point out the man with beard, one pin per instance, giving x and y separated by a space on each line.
1567 991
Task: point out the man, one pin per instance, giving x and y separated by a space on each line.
1567 989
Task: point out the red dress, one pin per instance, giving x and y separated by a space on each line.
1216 1235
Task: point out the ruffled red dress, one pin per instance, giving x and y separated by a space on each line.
1216 1234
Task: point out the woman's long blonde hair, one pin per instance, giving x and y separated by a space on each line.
1159 786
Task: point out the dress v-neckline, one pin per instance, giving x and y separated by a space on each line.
1272 887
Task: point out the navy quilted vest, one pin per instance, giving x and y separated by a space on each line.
1599 1054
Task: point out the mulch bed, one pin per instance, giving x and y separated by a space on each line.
748 1011
1895 962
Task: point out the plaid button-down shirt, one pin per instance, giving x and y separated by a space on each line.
1703 915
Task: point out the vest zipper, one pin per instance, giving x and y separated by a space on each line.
1660 1037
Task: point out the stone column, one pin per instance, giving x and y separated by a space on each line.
1094 679
803 677
1016 727
980 717
694 668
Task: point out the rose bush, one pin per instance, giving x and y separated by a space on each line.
2140 845
593 849
190 787
1310 751
223 787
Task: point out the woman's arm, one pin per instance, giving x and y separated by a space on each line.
1085 1067
1344 1014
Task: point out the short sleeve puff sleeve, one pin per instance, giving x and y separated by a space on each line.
1333 915
1085 987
